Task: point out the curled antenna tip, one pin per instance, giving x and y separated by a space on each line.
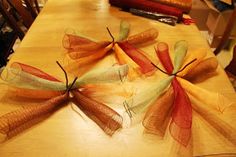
64 73
159 69
113 39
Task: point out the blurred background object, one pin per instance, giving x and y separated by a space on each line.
184 5
16 18
149 6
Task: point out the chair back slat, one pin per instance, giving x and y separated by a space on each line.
11 21
19 15
232 65
23 12
230 24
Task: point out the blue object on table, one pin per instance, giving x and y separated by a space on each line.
221 6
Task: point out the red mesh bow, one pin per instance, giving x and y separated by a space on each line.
107 118
181 113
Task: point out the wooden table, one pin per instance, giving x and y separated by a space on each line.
67 134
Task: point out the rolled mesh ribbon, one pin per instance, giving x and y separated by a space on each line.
33 93
173 109
23 73
105 117
25 76
180 50
148 5
73 42
162 51
216 119
123 58
181 123
173 105
181 115
198 54
158 115
83 51
184 5
216 101
202 69
139 58
11 121
141 102
145 36
112 74
34 71
211 109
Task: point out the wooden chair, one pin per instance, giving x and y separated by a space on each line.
17 14
33 6
8 15
27 14
231 68
226 34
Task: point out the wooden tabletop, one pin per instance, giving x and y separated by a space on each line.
65 133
